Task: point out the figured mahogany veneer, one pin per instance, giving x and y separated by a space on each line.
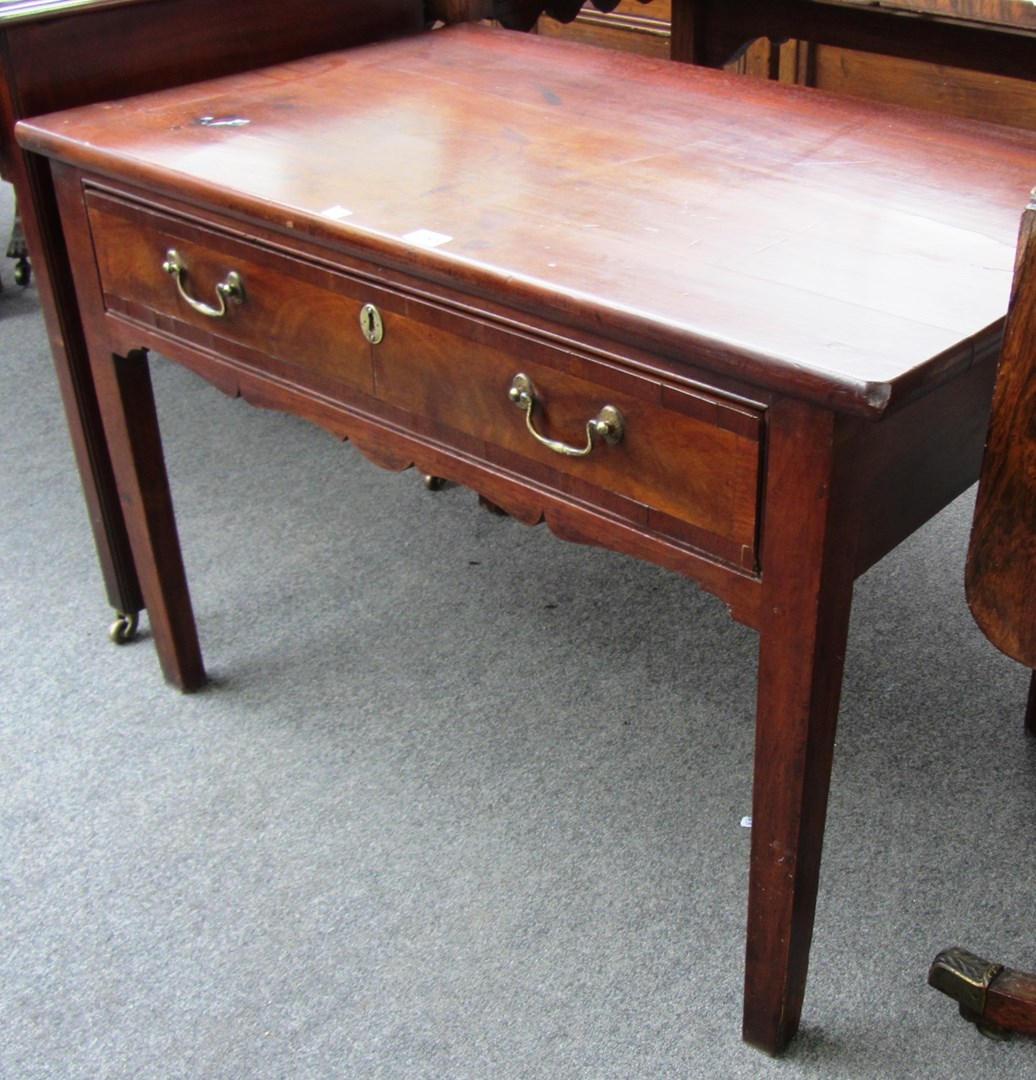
794 301
297 313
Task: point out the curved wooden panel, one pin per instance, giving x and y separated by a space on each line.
1001 569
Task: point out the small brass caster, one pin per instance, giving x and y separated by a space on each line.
124 629
434 483
22 272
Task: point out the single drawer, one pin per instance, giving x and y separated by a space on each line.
153 264
680 463
685 464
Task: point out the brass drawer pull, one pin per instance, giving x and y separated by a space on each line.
230 288
606 425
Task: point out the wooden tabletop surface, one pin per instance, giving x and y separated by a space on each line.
836 249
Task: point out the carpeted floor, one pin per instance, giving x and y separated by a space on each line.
462 801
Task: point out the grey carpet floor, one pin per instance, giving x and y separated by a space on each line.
462 801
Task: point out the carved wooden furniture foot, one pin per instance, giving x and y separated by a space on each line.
997 1000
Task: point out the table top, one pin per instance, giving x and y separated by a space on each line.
841 250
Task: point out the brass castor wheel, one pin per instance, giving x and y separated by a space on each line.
124 629
22 272
434 483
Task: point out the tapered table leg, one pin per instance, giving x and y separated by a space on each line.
131 423
809 559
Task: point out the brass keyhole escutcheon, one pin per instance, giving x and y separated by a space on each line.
371 324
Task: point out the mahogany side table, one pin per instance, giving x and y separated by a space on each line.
742 330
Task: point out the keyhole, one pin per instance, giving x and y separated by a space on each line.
370 322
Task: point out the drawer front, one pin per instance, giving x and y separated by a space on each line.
687 464
304 316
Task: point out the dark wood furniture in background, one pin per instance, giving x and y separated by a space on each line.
632 27
1000 578
972 58
994 36
771 317
1000 581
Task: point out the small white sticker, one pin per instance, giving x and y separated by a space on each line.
426 238
746 822
223 121
336 213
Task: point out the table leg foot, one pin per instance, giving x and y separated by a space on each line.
999 1001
